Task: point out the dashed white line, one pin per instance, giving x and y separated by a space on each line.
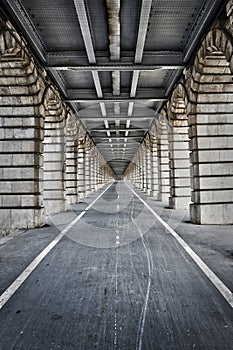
116 296
9 292
226 293
150 272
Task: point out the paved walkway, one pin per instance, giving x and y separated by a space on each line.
117 279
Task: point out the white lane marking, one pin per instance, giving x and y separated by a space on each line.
150 265
226 293
116 282
9 292
116 299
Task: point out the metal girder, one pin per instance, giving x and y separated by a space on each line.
118 154
142 30
85 29
141 92
113 118
118 137
116 99
64 57
114 142
57 77
86 33
118 161
116 67
21 17
143 24
116 129
210 9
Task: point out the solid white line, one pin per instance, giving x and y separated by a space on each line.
226 293
9 292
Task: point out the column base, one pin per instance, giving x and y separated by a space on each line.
12 219
164 197
54 206
179 202
155 195
71 199
212 214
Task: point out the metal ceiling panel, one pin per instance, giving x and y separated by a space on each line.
130 14
97 13
75 80
171 22
152 79
56 23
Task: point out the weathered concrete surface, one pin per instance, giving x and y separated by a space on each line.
85 296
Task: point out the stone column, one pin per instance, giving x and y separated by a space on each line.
87 170
81 169
98 176
92 170
71 159
154 165
95 173
180 192
211 145
21 133
164 183
138 171
141 177
71 171
54 155
148 169
144 168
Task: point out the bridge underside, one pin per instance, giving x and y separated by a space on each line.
116 172
137 90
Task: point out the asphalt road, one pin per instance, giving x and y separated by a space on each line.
116 280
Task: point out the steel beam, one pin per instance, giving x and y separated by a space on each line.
116 67
116 99
113 118
172 57
86 33
117 137
116 129
143 25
